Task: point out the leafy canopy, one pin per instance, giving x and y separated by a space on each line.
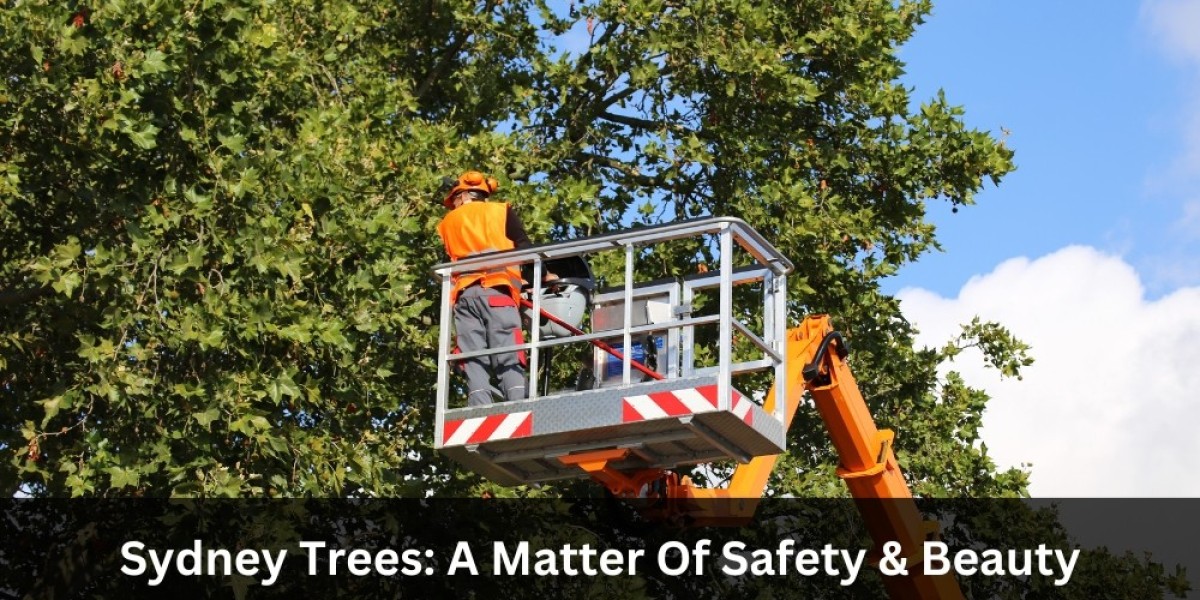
218 218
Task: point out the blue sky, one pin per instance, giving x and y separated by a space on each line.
1097 105
1090 251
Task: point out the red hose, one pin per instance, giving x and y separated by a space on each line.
597 343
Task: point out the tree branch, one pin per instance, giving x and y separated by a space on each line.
452 50
619 96
10 298
631 121
624 168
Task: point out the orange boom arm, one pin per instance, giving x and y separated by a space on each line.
816 363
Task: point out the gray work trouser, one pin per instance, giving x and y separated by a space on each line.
487 318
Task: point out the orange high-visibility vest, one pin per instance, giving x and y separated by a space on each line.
475 228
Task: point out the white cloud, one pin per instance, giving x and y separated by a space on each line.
1112 405
1174 23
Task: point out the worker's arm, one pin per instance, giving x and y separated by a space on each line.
514 229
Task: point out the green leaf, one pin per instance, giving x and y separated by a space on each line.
67 283
282 387
235 143
66 253
264 37
121 477
146 137
206 417
71 43
155 62
51 406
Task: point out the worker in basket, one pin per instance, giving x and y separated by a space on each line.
485 303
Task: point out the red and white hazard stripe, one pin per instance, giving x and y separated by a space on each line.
741 408
488 429
677 403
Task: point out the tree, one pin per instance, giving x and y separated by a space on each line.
205 285
218 218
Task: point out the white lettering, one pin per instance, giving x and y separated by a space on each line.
936 562
187 561
411 559
700 551
683 561
311 547
385 562
567 560
736 564
964 562
518 564
786 559
359 562
807 561
853 566
992 562
197 560
133 557
275 567
160 567
462 559
1067 566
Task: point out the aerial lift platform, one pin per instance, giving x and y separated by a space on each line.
682 411
660 391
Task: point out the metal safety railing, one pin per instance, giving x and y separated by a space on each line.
664 308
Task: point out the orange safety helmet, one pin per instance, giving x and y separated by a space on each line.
469 181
